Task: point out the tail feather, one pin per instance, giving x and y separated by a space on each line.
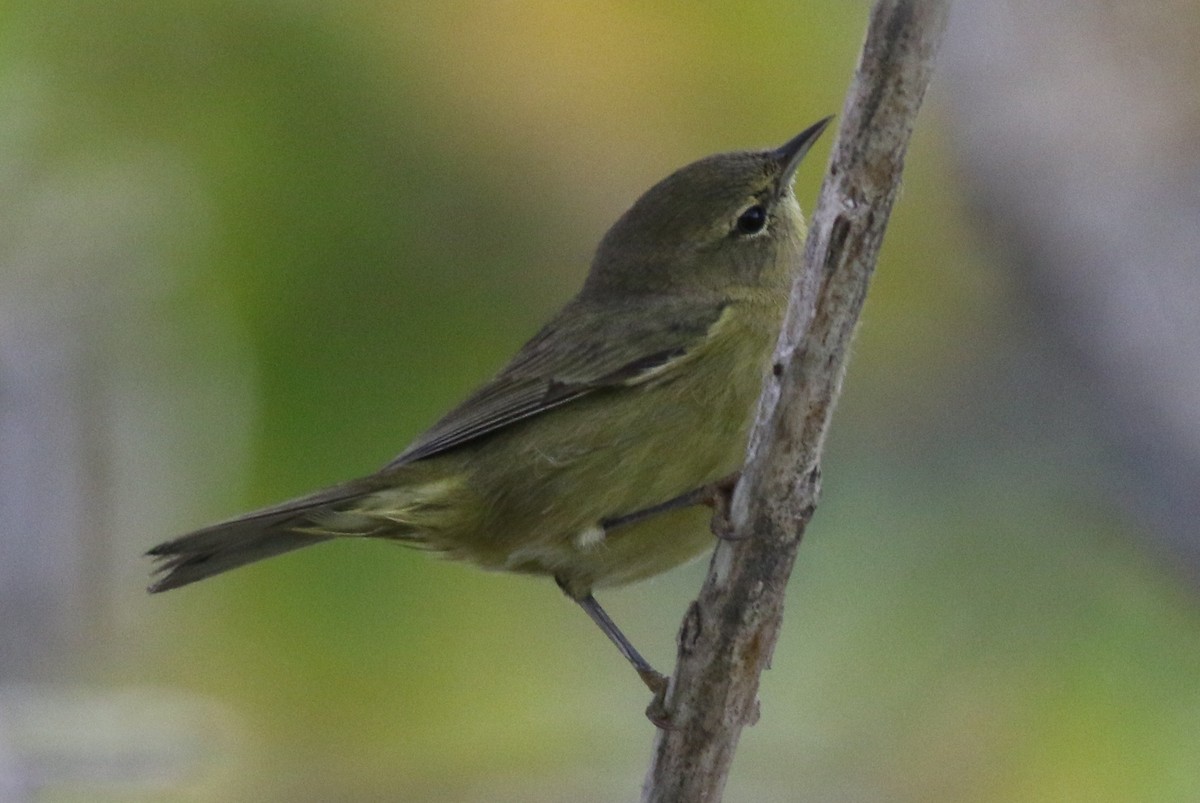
249 538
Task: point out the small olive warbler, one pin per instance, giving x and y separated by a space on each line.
587 457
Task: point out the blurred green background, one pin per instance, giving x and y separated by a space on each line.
252 248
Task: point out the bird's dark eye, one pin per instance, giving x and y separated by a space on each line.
752 220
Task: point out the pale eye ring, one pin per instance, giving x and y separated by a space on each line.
752 220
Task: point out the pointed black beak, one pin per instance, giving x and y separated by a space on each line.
791 153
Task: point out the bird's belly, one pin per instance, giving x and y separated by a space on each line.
608 455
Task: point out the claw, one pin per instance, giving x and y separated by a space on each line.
657 712
720 499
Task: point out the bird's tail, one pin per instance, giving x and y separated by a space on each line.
252 537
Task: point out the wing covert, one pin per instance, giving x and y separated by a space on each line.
583 349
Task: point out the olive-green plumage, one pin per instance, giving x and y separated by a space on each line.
641 389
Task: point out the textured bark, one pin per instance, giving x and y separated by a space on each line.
729 632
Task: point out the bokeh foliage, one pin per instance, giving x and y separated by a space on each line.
332 219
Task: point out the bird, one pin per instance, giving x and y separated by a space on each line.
590 457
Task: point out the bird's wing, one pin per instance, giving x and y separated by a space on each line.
583 349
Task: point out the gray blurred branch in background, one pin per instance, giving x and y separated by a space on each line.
83 245
730 631
1078 130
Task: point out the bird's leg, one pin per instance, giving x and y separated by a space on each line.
654 680
716 495
696 496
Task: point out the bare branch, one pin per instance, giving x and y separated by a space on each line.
729 632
